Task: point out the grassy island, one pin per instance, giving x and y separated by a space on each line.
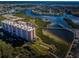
62 47
44 46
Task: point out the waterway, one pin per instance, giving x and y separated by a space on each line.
64 34
53 19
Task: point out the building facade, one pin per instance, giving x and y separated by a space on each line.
21 29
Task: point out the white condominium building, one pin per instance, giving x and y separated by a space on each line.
21 29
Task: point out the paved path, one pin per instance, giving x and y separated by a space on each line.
76 37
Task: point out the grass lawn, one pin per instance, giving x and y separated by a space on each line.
40 47
54 37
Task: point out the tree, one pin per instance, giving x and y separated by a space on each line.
6 50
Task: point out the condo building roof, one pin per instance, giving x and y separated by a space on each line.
12 17
20 24
11 20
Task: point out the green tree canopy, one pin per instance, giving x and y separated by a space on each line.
6 50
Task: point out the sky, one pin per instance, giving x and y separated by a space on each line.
44 2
